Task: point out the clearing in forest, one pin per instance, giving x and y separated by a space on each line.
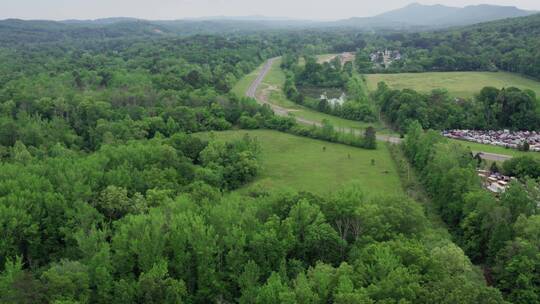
271 90
304 164
458 84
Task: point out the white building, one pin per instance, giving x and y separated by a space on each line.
334 101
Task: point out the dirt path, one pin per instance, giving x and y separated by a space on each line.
263 97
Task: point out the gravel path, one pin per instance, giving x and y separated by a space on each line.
263 98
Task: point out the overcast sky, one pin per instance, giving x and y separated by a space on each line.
176 9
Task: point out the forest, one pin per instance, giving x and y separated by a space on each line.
508 45
96 148
491 109
108 193
332 75
501 234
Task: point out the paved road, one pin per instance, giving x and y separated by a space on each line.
281 111
252 90
493 156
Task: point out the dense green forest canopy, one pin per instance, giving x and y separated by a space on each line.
106 196
491 109
95 133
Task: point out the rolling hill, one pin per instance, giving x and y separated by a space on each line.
15 31
436 16
412 17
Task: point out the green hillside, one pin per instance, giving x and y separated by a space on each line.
458 84
304 164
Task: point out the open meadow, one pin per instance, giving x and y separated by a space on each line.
475 147
303 164
458 84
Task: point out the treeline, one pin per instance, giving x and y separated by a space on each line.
522 167
327 132
501 234
492 109
509 45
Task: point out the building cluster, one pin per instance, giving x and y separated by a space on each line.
504 138
385 57
494 181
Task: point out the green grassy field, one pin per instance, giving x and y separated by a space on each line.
299 163
494 149
275 80
458 84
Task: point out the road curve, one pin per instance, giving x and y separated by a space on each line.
281 111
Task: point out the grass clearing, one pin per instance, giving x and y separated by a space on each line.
458 84
325 57
301 164
493 149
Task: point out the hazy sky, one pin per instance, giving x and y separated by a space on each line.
176 9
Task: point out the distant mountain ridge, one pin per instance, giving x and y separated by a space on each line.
437 16
414 17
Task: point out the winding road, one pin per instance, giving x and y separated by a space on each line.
281 111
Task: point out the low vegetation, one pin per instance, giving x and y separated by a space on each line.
458 84
303 164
